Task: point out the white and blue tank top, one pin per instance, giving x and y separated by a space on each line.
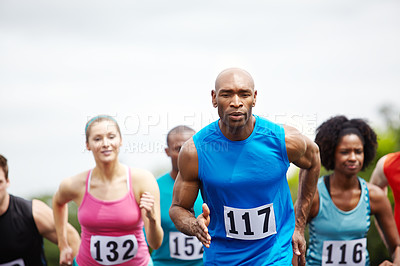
245 186
339 237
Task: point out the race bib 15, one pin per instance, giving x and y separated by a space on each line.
351 252
185 247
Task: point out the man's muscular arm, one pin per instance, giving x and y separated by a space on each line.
185 192
304 153
378 176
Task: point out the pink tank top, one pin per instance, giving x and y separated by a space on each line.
112 231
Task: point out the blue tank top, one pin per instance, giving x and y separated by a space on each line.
333 224
176 248
245 186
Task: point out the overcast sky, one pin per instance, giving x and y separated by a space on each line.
152 65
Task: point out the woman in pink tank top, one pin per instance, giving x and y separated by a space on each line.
115 202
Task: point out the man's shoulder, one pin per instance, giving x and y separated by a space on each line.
267 127
163 178
20 207
206 131
390 165
392 158
20 202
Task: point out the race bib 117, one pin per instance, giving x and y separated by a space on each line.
250 224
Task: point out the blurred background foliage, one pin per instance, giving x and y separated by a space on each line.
388 141
51 250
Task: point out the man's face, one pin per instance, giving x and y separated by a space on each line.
175 143
4 183
234 98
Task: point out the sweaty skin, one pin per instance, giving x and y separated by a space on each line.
234 96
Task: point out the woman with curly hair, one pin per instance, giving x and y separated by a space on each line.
340 213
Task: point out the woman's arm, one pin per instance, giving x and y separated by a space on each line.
66 192
148 198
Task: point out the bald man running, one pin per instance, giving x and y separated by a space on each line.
240 162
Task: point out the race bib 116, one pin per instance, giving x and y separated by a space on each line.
350 252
